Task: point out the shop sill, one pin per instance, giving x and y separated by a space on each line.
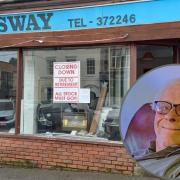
64 138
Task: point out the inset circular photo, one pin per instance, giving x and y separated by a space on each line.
150 121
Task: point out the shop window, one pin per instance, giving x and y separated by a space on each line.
8 60
41 115
152 56
119 74
90 66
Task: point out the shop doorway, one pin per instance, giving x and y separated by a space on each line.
152 56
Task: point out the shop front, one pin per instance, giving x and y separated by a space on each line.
65 68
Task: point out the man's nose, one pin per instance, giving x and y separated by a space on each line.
172 115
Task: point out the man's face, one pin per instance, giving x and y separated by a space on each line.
167 126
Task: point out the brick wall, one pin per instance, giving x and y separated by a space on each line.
51 153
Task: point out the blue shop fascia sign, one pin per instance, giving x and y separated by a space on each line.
100 16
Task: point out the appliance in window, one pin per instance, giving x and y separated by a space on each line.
74 121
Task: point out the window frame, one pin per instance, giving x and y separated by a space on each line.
90 66
20 71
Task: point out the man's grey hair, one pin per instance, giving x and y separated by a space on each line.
161 90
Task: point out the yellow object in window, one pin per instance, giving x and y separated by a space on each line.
65 122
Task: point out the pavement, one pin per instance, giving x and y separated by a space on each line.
7 173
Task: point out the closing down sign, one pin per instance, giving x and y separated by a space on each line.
66 82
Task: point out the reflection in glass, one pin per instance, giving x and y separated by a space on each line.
8 60
99 67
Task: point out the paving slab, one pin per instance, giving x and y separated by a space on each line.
7 173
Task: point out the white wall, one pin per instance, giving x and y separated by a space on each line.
30 100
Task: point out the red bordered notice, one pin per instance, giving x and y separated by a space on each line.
66 82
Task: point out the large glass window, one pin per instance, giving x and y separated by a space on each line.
8 61
100 93
152 56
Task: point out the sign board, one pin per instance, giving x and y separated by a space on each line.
84 95
99 16
66 82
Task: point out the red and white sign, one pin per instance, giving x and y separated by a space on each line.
66 95
66 83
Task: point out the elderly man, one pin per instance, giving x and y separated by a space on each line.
167 118
165 160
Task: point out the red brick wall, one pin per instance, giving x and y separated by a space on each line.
60 153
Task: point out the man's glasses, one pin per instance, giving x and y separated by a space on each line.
163 107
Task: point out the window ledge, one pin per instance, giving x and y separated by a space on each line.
87 138
64 137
